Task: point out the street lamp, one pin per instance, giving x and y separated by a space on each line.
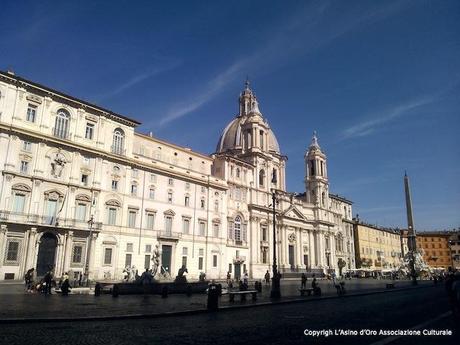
88 249
276 290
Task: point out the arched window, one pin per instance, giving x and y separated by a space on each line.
261 177
61 124
274 176
323 199
118 143
237 226
238 172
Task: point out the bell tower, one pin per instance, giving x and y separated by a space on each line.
316 181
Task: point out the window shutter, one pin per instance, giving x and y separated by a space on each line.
230 230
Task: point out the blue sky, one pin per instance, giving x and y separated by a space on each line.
378 80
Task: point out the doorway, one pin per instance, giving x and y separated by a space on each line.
46 253
166 252
237 272
291 257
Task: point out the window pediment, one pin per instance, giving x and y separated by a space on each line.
21 187
83 197
113 202
169 213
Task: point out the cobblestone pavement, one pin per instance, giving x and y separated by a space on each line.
275 324
16 304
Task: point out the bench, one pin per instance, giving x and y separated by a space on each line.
307 291
242 295
390 285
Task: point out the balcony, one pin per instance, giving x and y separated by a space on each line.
239 259
118 150
53 221
237 243
169 235
61 133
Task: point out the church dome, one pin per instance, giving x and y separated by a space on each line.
231 138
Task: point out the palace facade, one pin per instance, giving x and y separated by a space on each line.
79 186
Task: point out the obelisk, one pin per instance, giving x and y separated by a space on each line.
411 241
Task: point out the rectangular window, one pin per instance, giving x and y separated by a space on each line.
24 167
202 204
114 185
215 230
18 203
134 189
230 268
200 263
200 252
264 234
27 146
147 262
152 193
129 247
77 254
187 201
184 261
89 130
170 182
80 213
148 248
153 178
128 259
202 229
168 225
150 221
84 179
135 173
31 113
170 197
112 216
214 260
12 253
186 226
132 219
108 256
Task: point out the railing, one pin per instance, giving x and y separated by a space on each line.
118 150
47 220
61 133
236 243
169 235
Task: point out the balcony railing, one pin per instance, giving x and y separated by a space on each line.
54 221
118 150
61 133
169 235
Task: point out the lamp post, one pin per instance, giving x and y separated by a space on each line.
276 291
88 249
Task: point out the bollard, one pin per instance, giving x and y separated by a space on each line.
189 290
213 297
164 292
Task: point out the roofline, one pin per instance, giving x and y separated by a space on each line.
183 148
376 227
341 198
66 96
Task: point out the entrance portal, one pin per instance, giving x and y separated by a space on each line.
237 272
166 252
46 253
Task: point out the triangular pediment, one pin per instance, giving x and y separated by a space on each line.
294 213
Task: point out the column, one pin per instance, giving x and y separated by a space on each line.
30 255
68 251
3 230
59 250
300 249
92 256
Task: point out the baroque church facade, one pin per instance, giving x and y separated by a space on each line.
81 191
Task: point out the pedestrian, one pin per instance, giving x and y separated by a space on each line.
48 278
65 287
304 281
315 287
146 280
28 278
229 277
267 278
246 279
